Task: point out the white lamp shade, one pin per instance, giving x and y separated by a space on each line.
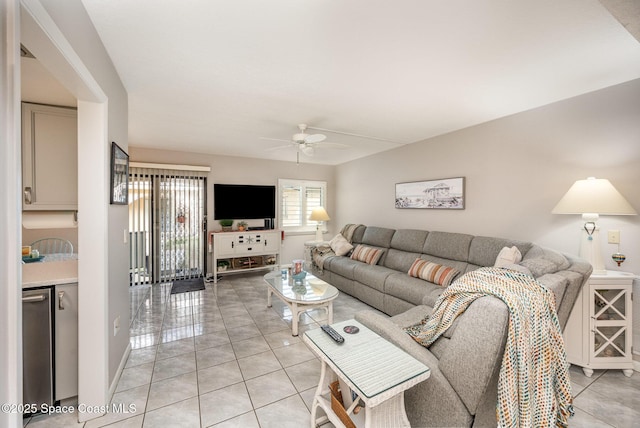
319 214
593 195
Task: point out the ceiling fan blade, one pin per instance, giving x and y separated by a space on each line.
333 146
273 149
314 138
275 139
357 135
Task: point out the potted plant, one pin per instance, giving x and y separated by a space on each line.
242 225
226 225
223 265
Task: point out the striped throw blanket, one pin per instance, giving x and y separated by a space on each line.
533 386
320 253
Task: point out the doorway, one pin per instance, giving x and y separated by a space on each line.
167 225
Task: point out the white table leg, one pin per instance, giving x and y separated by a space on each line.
330 312
269 293
314 405
294 318
627 372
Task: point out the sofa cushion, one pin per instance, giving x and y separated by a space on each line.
410 289
484 250
377 236
446 245
372 276
409 240
343 266
340 245
508 256
541 261
399 260
366 254
433 272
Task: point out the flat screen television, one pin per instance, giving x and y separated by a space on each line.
243 202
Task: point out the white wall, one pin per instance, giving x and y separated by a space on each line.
235 170
516 168
76 26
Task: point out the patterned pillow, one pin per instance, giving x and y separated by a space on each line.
433 272
340 245
370 255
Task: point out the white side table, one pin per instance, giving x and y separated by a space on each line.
375 370
598 334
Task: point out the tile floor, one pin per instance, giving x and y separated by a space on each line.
198 362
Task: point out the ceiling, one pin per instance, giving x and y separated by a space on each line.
213 76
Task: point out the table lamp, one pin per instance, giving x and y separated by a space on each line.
591 198
319 214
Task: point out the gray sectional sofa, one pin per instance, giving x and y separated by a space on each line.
465 361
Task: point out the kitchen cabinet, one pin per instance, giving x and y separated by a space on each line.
66 340
49 157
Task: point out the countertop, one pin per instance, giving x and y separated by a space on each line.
53 270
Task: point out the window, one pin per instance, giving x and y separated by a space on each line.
297 199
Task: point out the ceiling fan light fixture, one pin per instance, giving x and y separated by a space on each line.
307 150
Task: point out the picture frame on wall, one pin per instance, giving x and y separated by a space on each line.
444 193
119 176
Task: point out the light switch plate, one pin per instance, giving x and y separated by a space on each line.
614 236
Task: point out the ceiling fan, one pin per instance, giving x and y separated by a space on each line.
305 143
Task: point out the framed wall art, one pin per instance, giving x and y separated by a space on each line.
445 193
119 175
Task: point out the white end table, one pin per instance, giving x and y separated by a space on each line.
377 371
598 334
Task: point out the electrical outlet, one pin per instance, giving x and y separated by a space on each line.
614 236
116 325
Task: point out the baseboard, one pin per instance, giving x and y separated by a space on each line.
116 378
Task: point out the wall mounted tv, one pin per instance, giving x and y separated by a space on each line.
242 201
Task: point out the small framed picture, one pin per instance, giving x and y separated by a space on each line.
119 175
445 193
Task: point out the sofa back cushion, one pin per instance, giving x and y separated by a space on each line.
447 245
410 240
377 236
399 260
483 250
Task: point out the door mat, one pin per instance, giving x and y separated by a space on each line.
186 285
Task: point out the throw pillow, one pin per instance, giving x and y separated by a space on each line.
340 245
508 256
369 255
433 272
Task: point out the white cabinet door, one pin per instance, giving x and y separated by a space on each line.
224 245
65 302
49 157
271 242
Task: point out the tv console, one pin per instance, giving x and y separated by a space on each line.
236 252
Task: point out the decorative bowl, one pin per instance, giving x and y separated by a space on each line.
299 276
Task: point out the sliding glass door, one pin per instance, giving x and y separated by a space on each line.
167 224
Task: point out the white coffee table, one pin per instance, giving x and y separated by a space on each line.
301 296
377 371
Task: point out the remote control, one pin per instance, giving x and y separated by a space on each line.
332 333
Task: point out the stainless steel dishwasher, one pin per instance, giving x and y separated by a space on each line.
37 371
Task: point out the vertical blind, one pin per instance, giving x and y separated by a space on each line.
166 224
